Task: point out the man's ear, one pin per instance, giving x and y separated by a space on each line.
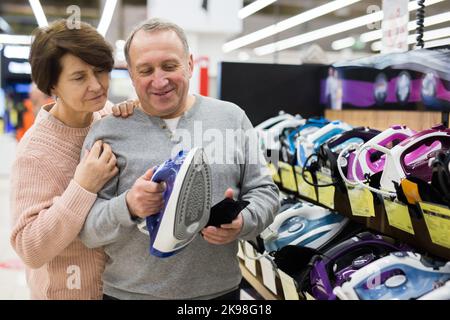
190 65
130 72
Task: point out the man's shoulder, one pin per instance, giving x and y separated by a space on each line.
111 122
221 106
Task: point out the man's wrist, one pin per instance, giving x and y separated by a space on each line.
130 210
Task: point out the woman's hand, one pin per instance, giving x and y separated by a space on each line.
96 168
125 109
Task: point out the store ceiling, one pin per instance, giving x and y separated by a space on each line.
20 18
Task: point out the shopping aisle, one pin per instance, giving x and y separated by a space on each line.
12 274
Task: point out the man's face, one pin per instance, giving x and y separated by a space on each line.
160 70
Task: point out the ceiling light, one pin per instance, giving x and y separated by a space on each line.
343 43
15 39
412 25
330 30
286 24
254 7
38 13
427 36
105 20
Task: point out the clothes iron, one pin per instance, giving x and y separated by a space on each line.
289 152
303 224
410 157
329 152
337 264
306 145
187 203
399 276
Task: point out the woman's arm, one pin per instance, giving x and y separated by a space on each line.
46 217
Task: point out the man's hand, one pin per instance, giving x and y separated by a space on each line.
145 197
227 232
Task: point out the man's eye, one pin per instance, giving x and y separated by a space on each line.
170 67
78 79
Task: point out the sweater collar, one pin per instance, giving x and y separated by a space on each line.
45 118
188 114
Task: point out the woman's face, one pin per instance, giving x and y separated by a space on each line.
80 86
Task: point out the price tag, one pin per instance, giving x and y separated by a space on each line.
437 219
361 201
308 296
240 254
274 172
326 194
398 215
268 274
289 287
250 264
287 176
305 189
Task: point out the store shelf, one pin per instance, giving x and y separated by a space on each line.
257 284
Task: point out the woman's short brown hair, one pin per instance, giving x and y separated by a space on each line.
54 41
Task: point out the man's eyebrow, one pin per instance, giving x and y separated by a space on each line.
143 65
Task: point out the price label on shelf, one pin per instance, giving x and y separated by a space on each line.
305 189
309 296
287 176
437 219
274 172
240 254
268 274
289 287
250 253
326 194
398 215
361 201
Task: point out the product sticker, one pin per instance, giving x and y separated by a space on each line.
240 254
250 263
398 215
305 189
268 274
287 176
274 172
437 219
361 201
289 287
326 194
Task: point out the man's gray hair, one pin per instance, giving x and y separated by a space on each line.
152 25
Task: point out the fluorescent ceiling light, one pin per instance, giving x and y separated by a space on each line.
254 7
377 34
18 52
105 20
19 67
427 36
343 43
286 24
330 30
38 13
437 43
15 39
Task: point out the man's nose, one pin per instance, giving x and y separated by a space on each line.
160 80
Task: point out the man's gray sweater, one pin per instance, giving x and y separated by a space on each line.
200 270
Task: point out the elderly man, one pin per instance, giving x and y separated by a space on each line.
171 119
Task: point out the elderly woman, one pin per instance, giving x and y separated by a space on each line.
52 190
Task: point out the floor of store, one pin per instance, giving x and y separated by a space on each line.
12 272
